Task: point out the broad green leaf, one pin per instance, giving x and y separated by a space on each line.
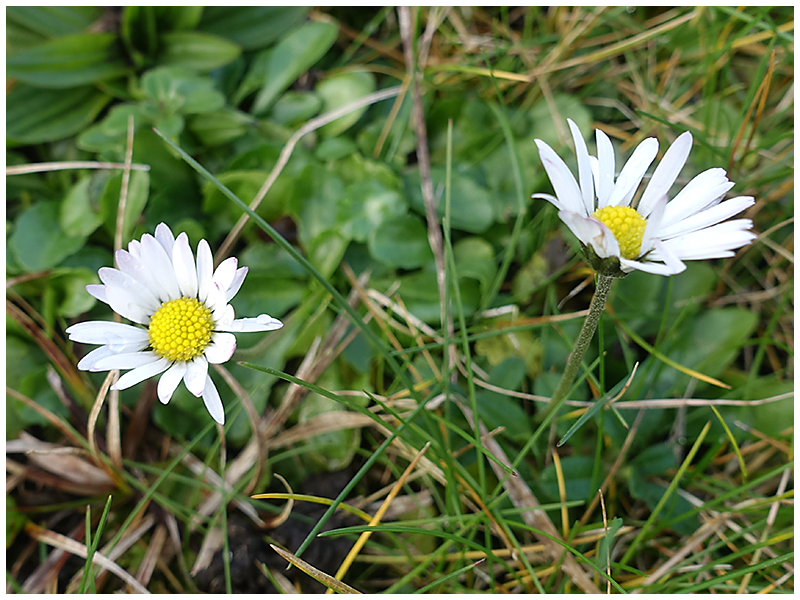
474 257
28 26
251 27
470 203
220 126
38 242
111 132
365 206
522 344
291 57
175 89
295 107
138 193
340 90
198 51
497 410
401 243
78 216
69 61
35 116
70 286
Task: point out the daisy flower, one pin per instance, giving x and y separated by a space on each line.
180 306
654 234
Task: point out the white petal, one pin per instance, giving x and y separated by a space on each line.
158 262
133 266
139 374
98 291
653 227
223 318
238 279
169 381
205 270
564 184
88 361
584 168
212 401
126 290
127 360
121 302
225 273
592 233
666 173
216 302
632 173
106 332
259 323
165 238
605 168
551 199
195 376
710 216
221 348
712 242
696 195
183 263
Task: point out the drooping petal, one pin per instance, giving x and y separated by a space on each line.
88 362
584 168
221 348
551 199
212 401
139 374
592 233
563 182
195 375
632 173
169 381
666 173
259 323
184 267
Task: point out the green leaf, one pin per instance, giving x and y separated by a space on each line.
78 216
31 25
340 90
470 203
35 116
251 27
366 205
70 285
138 194
38 243
474 257
401 243
198 51
220 126
293 56
295 107
69 61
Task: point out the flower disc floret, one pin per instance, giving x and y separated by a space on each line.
628 227
180 330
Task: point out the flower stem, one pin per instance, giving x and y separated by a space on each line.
581 345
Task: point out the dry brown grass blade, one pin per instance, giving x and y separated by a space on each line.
66 463
70 165
287 510
67 544
152 555
312 571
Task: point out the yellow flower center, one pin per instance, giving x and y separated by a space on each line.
628 227
180 329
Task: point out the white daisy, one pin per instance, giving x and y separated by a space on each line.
653 234
184 308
